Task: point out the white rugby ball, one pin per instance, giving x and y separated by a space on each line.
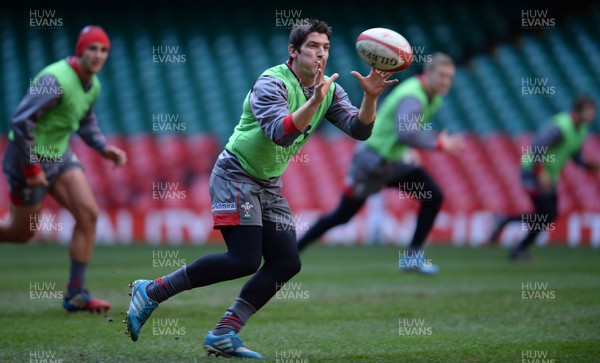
384 49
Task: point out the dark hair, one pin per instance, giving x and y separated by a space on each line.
437 59
304 27
582 101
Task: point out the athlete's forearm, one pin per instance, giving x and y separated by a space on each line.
361 131
302 116
412 131
368 108
344 115
90 133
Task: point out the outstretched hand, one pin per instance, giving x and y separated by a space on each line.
453 144
375 82
321 84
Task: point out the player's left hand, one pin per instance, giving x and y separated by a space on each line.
375 82
118 156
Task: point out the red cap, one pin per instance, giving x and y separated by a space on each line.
88 35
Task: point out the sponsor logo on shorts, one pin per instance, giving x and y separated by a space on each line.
223 207
27 194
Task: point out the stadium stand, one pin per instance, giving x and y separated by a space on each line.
203 91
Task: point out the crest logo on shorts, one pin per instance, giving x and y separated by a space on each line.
247 207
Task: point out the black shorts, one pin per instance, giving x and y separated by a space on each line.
20 193
369 172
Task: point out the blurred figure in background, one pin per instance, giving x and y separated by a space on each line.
385 160
541 164
39 160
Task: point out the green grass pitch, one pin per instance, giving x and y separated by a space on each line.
349 304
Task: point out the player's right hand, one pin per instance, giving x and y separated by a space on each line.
118 156
37 180
452 143
375 82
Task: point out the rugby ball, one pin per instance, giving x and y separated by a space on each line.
384 49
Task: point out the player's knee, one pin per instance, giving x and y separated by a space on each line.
552 214
547 212
437 197
87 215
295 267
289 268
248 266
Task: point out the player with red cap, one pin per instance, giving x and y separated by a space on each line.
38 159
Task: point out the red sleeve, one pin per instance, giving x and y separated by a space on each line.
288 124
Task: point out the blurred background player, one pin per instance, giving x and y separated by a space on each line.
282 110
385 159
39 160
551 148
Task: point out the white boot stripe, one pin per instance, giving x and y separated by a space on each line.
137 305
137 311
138 294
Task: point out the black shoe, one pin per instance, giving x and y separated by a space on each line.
518 254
